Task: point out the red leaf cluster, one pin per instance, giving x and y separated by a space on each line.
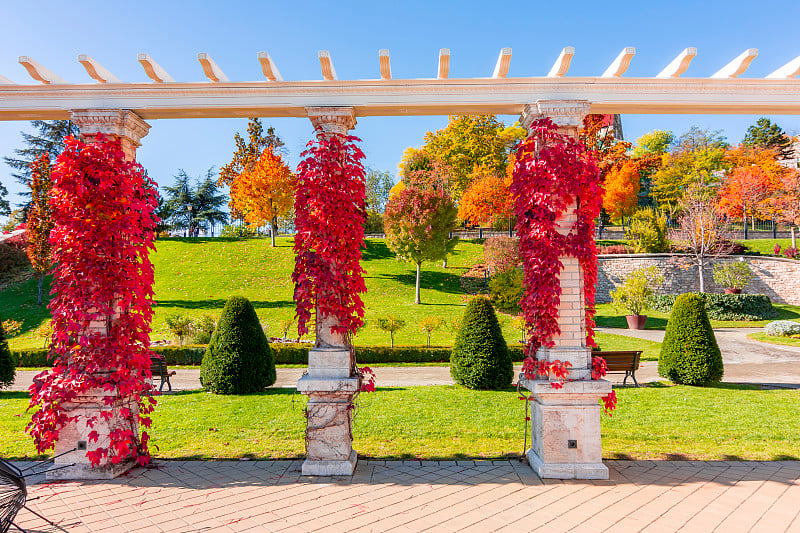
329 219
104 227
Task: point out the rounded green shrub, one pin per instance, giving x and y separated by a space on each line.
480 357
7 367
238 359
689 354
505 289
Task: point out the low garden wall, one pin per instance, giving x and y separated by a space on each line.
776 277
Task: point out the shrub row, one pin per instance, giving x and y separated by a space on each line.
287 354
725 306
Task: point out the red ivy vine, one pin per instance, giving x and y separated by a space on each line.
102 207
329 219
552 172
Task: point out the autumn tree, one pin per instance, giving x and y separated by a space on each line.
600 135
747 192
469 141
264 192
40 222
788 202
765 134
622 190
657 142
487 198
418 223
378 183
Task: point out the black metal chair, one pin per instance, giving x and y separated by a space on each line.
14 493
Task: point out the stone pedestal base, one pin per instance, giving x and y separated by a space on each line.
75 464
565 429
328 431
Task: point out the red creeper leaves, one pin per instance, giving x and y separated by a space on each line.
330 214
102 209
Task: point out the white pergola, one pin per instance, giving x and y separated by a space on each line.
565 432
724 92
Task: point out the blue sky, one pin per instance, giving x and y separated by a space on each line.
232 32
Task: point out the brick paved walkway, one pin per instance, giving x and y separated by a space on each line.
481 496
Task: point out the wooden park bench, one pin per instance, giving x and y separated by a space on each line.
622 361
158 366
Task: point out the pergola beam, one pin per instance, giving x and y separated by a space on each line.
210 68
385 64
738 66
618 67
154 70
561 66
326 64
38 72
678 65
96 70
268 67
503 62
787 72
444 63
6 81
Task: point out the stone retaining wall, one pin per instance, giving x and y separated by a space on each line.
776 277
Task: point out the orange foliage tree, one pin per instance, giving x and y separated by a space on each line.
748 192
265 192
622 190
487 198
40 223
788 202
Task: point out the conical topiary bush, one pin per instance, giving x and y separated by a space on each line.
238 359
7 367
689 354
480 358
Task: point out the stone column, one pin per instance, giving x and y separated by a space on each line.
129 128
329 383
565 422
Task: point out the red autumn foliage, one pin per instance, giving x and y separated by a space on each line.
104 227
329 218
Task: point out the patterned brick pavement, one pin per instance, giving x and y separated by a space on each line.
481 496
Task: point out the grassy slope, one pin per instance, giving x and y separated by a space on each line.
650 422
766 246
784 341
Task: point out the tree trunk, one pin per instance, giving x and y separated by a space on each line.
273 226
794 242
444 263
416 294
700 272
391 336
41 281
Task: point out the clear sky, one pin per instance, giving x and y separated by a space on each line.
232 32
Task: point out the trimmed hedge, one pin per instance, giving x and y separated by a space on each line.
286 354
724 306
480 358
7 370
690 354
238 359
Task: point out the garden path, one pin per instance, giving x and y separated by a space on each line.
478 496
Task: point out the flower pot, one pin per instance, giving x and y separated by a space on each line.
733 291
636 321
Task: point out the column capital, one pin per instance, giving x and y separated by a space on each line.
568 115
121 123
332 119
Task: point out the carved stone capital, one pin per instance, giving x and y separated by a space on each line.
121 123
332 119
568 115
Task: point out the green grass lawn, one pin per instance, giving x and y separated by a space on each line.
610 317
766 246
444 422
784 341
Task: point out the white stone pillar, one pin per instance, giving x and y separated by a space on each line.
329 383
129 128
565 422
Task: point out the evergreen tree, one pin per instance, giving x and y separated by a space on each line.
238 359
765 134
7 367
690 354
5 209
480 358
208 210
48 139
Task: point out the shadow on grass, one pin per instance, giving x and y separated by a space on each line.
14 395
438 281
787 314
219 303
375 250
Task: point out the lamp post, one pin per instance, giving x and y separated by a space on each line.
189 211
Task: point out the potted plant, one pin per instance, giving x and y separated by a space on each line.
634 294
733 276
